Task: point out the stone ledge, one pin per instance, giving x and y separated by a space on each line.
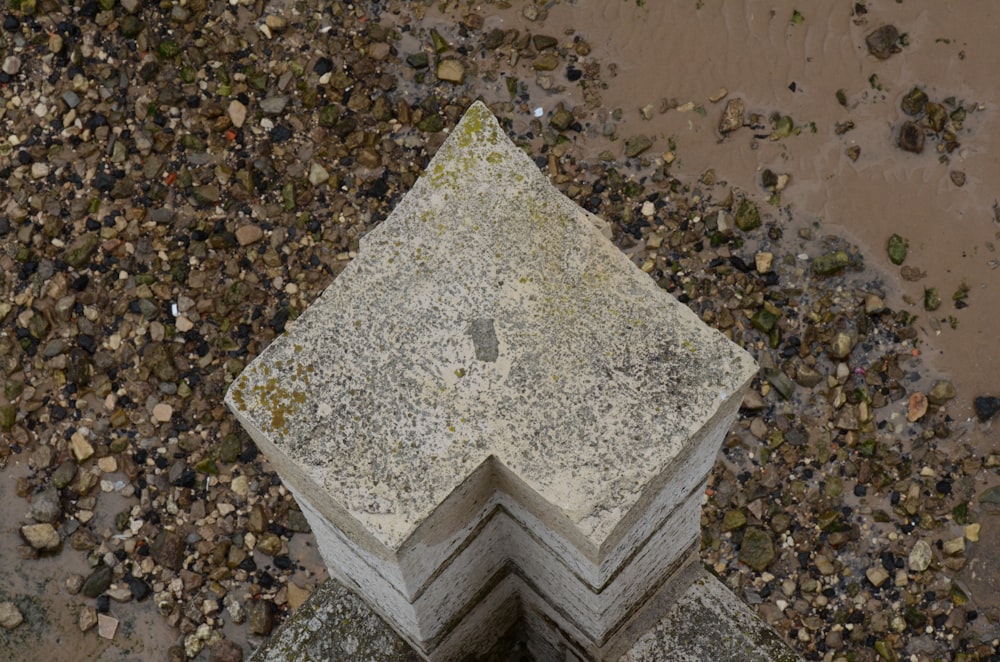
707 622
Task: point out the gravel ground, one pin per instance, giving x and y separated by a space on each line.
183 179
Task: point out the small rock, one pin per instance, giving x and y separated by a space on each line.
732 116
954 546
916 407
162 412
451 71
298 595
896 249
10 615
97 582
853 152
747 216
168 549
546 62
274 105
920 556
237 113
249 234
39 170
877 576
260 616
81 250
882 42
42 537
206 195
942 391
763 261
226 650
269 544
757 550
874 304
11 65
107 626
636 145
830 263
986 407
82 450
317 174
841 346
45 506
911 137
957 178
913 102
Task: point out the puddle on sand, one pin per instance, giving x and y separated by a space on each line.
50 630
688 51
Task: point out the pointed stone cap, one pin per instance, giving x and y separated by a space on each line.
487 317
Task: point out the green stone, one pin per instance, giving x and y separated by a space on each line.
636 145
897 249
81 250
168 49
747 216
830 263
764 320
8 415
230 448
431 124
781 383
757 550
734 519
932 300
546 62
207 466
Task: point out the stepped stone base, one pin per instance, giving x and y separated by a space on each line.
706 622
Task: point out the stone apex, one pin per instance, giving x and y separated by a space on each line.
486 317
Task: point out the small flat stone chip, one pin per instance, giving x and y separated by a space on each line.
249 234
162 412
237 113
107 626
451 71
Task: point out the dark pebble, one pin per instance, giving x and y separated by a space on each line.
986 407
11 23
280 133
323 65
103 604
139 588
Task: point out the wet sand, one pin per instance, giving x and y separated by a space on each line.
683 52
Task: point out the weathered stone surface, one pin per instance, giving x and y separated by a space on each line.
490 342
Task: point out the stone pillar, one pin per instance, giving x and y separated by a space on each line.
492 419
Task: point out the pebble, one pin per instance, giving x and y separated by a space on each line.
82 450
451 71
42 537
162 412
877 576
237 113
920 556
97 581
317 174
260 616
249 234
11 65
107 626
45 506
10 615
87 618
732 116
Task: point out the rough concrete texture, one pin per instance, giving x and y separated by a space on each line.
491 365
705 622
